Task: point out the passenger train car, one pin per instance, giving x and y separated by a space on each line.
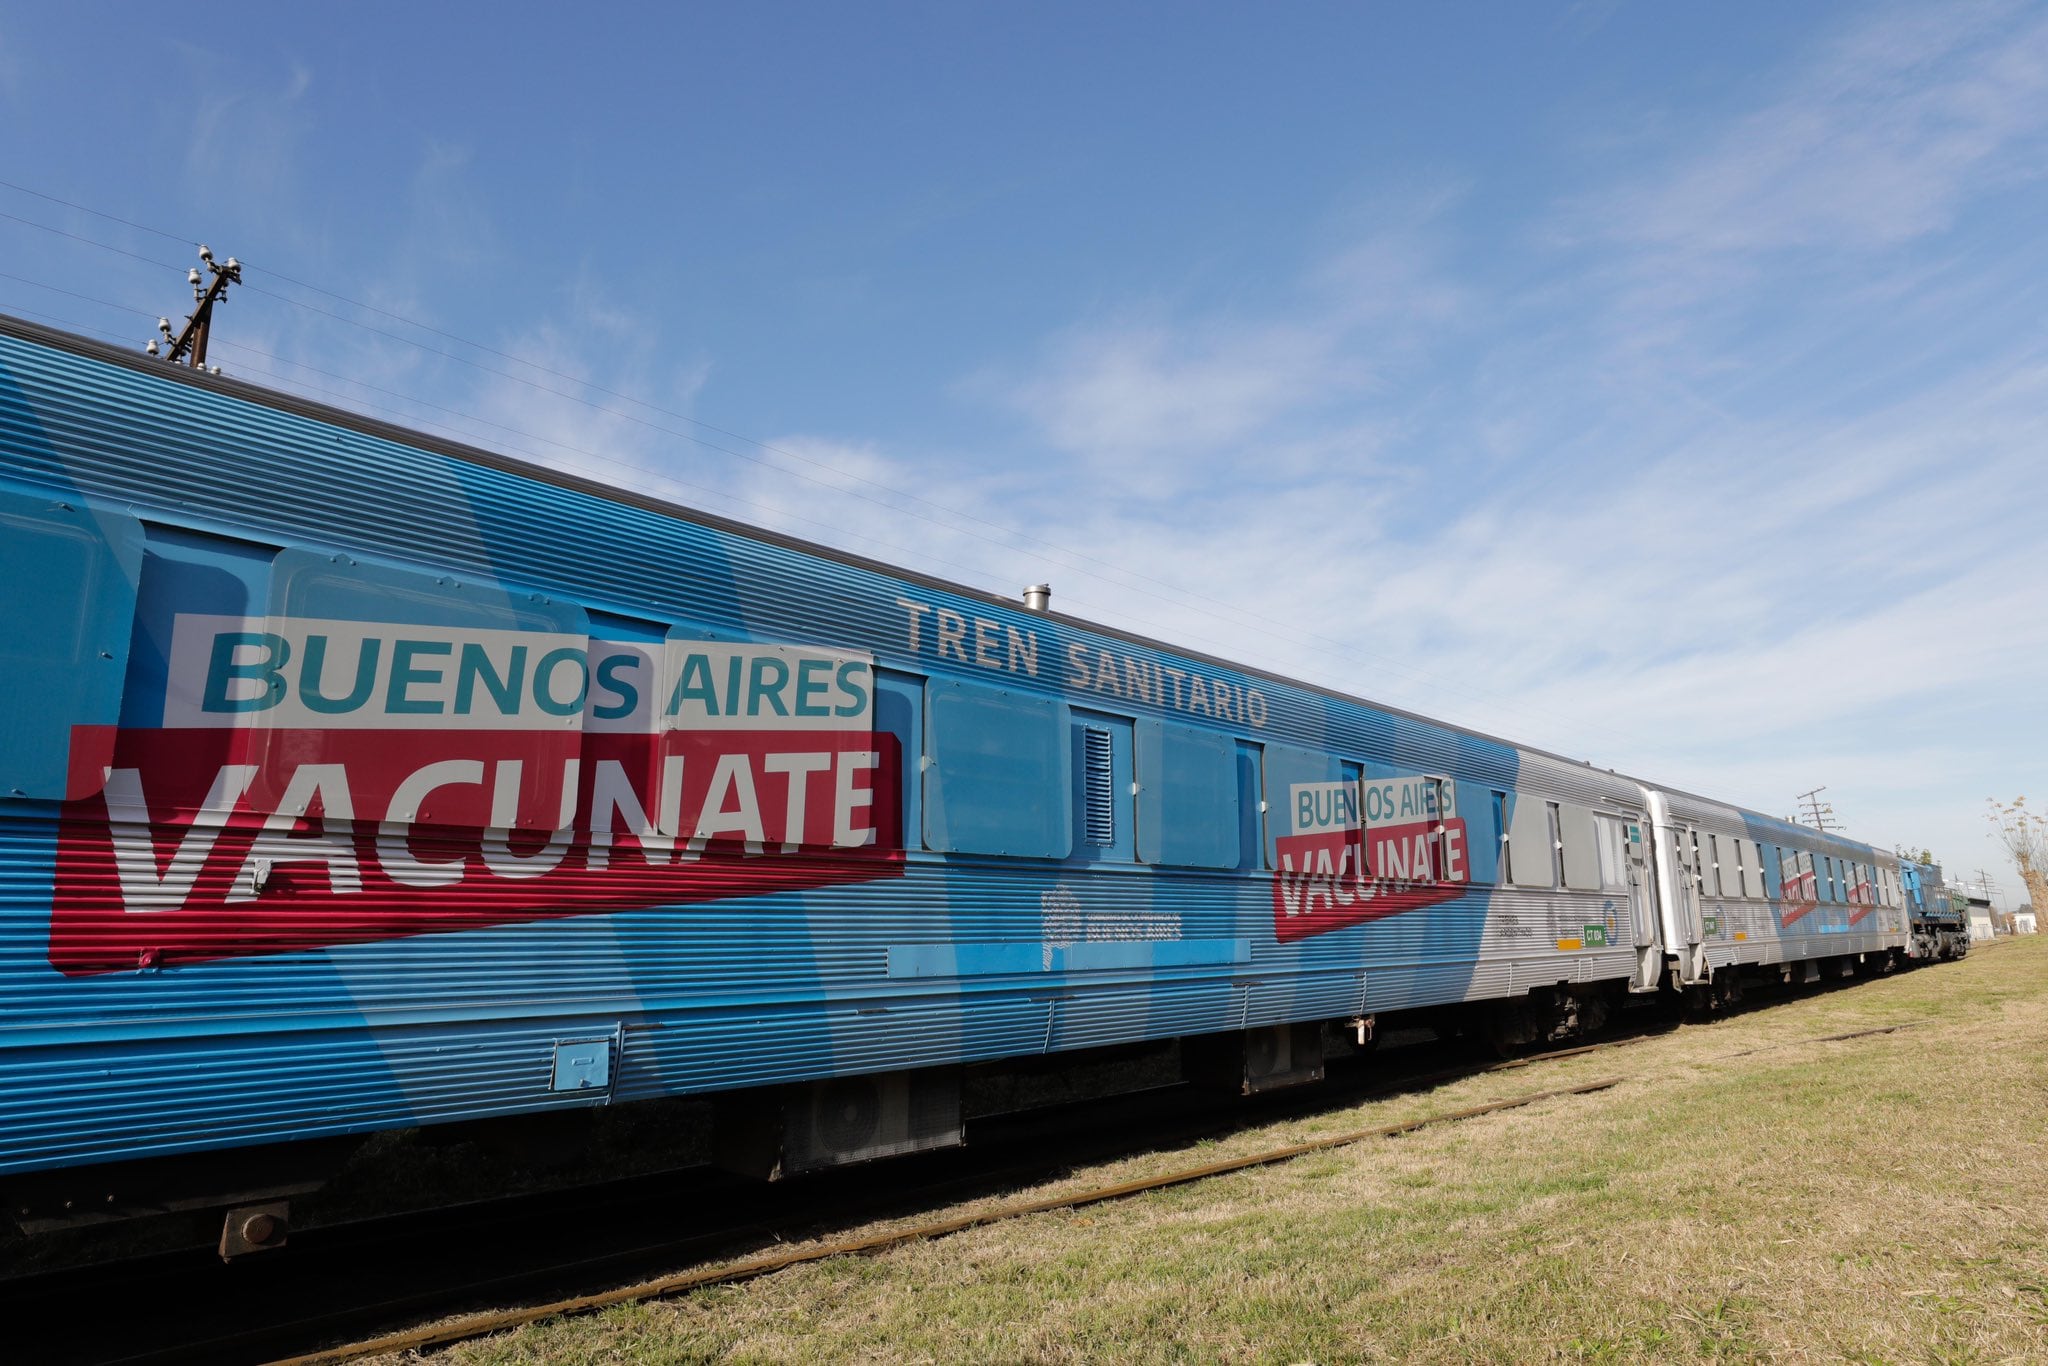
355 780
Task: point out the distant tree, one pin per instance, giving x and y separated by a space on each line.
2025 837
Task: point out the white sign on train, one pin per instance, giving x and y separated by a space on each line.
1406 800
1318 807
309 673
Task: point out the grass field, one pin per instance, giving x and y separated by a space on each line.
1742 1195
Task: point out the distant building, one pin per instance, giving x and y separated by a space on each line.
1977 911
2023 921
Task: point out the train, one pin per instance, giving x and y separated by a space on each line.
1936 920
357 780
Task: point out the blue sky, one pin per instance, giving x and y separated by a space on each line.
1662 384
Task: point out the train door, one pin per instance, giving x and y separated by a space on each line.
1684 934
1624 879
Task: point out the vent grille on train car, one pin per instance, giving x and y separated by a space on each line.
1097 788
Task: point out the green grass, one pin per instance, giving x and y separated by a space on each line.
1875 1199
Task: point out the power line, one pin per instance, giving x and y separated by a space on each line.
86 241
97 213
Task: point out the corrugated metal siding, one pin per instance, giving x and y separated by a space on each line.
1578 783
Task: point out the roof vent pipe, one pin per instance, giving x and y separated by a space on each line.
1038 597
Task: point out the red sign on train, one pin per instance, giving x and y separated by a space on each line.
460 779
1341 866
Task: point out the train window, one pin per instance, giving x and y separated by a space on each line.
998 773
186 574
1408 831
1450 855
1745 867
1613 853
70 572
1581 863
1556 844
1187 796
1102 786
899 715
1532 859
1789 886
1710 869
355 642
1699 883
1251 763
1499 871
1308 792
627 793
1098 805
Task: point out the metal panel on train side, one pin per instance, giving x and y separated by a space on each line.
1557 929
426 768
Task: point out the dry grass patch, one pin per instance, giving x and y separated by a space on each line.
1876 1199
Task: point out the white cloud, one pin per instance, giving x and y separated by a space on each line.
1158 399
1879 141
1143 390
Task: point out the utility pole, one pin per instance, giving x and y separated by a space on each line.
191 339
1819 814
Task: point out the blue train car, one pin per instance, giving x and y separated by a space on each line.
355 780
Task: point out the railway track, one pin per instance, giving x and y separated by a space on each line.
355 1289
